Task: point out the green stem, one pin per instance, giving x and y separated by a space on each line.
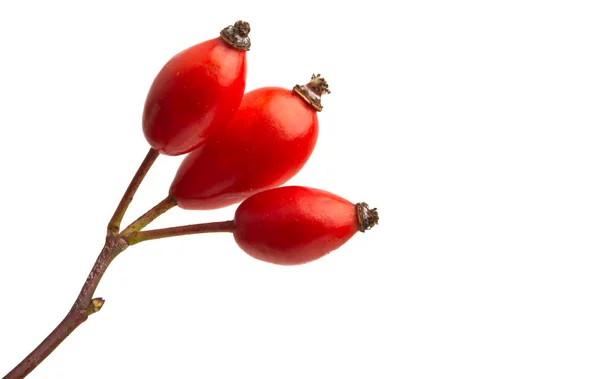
160 208
211 227
115 222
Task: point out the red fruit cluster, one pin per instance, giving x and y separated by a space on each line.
241 149
242 146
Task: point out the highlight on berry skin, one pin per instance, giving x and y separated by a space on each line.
295 225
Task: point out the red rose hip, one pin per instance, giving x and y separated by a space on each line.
267 142
197 91
294 225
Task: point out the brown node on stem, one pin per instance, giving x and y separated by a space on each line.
367 218
312 91
236 35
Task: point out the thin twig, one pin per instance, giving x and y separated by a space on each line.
115 222
160 208
211 227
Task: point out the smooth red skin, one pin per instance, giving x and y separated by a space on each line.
196 92
293 225
267 142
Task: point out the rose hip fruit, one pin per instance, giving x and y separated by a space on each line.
294 225
197 91
267 142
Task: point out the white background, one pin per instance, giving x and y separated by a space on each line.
472 125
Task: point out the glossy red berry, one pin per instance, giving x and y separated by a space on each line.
294 225
198 90
267 142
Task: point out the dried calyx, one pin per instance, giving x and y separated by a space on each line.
312 91
236 35
367 218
